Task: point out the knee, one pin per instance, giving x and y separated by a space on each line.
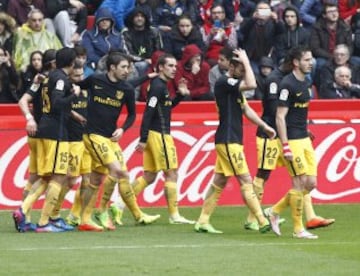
171 175
311 183
149 177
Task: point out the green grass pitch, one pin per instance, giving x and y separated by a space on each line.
164 249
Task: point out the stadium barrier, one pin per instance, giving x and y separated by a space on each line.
335 123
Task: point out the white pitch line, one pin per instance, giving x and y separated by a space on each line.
175 246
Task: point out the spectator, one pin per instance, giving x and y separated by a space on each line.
355 27
342 87
34 67
220 68
153 68
140 39
195 71
7 30
166 16
8 78
348 8
217 33
259 32
184 33
341 57
19 10
294 34
144 5
81 58
310 12
102 38
120 9
33 36
69 18
266 66
328 32
202 11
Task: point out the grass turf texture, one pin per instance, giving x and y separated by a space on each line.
164 249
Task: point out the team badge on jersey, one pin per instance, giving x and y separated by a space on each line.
60 85
119 94
232 81
284 94
273 88
152 102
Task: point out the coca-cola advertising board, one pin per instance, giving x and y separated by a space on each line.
337 147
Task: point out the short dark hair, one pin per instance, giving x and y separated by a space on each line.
80 50
65 57
114 58
297 52
162 60
227 52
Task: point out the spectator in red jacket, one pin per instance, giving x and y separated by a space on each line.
348 8
195 71
217 33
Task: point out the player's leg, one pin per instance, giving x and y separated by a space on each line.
56 165
171 195
210 202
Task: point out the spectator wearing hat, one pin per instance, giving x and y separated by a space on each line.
293 35
140 39
195 71
32 36
266 66
102 38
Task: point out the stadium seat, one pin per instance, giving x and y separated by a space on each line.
90 21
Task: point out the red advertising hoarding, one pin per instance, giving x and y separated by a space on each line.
337 147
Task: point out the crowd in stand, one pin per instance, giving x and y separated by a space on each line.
199 33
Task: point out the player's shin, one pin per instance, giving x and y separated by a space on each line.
253 203
139 185
210 203
128 196
51 199
88 197
109 185
296 199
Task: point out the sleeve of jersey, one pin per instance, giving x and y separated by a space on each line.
130 105
176 100
58 95
284 96
86 83
154 96
33 89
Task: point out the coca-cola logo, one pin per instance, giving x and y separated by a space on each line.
343 145
337 153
